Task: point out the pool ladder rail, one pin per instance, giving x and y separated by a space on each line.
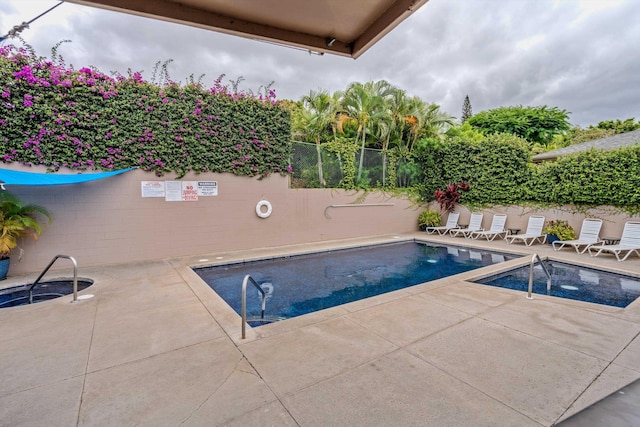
533 261
248 279
75 277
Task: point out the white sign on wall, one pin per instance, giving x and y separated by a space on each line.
173 191
189 191
207 188
152 188
179 191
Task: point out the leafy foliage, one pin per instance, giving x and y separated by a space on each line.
500 172
83 119
374 114
449 198
18 220
560 228
429 218
619 126
594 177
496 168
535 124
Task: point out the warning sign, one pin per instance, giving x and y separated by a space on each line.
207 188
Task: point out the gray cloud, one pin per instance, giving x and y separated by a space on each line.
529 52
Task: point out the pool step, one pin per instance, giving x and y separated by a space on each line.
258 321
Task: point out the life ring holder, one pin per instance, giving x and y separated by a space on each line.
260 205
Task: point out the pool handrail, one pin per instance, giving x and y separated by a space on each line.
533 261
75 277
249 279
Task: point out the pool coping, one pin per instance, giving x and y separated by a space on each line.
231 323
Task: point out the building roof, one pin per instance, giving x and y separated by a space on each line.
614 142
346 28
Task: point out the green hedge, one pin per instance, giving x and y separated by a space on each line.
496 168
592 177
59 117
499 171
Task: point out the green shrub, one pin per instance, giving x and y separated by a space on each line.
429 219
560 228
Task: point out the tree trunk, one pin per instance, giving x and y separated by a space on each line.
320 175
364 134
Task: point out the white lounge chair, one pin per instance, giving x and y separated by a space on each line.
496 229
532 234
452 222
589 235
629 243
475 224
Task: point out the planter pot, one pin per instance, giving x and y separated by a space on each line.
551 238
4 268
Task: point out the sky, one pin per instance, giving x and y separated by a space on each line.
577 55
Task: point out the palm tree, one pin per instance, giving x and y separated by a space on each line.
317 116
366 104
426 120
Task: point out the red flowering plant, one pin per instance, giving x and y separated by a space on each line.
450 196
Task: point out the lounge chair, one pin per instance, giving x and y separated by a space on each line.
532 234
629 243
589 235
452 222
496 229
475 224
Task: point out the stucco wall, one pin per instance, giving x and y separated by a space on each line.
107 221
518 216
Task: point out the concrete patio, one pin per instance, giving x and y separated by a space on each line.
157 347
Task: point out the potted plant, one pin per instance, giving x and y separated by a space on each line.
17 220
559 229
429 219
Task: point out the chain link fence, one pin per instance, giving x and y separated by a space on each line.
304 160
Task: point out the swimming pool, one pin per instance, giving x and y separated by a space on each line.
572 282
43 291
303 284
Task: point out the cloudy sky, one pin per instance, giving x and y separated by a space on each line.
577 55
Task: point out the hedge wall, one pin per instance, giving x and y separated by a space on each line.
500 171
592 177
59 117
496 167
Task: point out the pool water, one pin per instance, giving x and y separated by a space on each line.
303 284
572 282
44 291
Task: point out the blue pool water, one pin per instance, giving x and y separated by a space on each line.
44 291
302 284
572 282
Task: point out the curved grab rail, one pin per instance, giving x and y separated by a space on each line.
75 277
249 279
533 261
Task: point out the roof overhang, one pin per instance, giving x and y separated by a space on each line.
346 28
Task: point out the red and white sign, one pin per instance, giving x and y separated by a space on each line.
189 191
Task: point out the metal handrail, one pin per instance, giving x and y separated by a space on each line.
249 279
533 260
75 277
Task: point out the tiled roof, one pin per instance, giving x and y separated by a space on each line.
620 140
